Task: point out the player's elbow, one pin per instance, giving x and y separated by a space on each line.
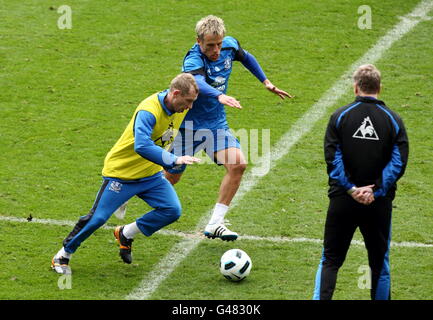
138 148
143 150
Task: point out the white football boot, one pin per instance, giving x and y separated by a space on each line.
61 265
216 230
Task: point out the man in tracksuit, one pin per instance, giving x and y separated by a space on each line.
133 167
366 151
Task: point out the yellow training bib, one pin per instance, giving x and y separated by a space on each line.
123 162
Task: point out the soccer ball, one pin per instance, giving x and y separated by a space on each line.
235 265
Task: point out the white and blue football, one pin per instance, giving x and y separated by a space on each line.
235 265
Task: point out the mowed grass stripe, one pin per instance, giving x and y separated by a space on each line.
181 250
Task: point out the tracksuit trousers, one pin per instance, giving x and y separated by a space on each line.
374 221
155 190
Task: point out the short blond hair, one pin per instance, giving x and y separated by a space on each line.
184 82
210 25
367 78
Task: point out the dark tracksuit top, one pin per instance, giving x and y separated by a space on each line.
365 143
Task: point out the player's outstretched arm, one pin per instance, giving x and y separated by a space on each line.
209 91
281 93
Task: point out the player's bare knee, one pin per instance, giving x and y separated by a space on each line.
172 178
237 169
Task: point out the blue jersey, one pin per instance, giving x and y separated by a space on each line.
207 111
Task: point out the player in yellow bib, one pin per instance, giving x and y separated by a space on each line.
134 167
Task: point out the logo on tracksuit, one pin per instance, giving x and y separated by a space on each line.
366 131
115 186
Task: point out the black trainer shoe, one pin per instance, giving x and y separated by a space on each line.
125 245
61 265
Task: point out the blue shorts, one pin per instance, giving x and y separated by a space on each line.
189 142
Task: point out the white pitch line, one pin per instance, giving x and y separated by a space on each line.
70 223
404 244
193 237
181 250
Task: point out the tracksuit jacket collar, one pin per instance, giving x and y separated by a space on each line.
368 99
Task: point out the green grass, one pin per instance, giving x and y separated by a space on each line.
31 277
66 96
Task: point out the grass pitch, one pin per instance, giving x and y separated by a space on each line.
67 95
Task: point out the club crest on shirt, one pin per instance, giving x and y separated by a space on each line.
227 63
